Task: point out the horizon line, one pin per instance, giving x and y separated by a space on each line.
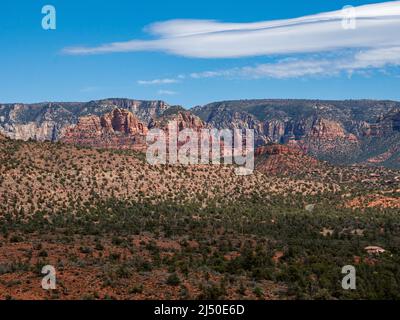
198 105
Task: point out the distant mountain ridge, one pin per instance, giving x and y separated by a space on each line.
49 121
341 132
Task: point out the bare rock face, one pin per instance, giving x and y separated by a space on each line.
24 122
86 128
120 120
31 130
274 129
326 138
119 129
326 130
183 119
186 120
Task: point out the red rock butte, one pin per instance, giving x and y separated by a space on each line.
117 129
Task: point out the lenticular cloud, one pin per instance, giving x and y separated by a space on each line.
376 26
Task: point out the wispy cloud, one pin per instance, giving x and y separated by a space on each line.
359 61
166 92
157 81
377 27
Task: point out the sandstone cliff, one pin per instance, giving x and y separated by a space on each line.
119 129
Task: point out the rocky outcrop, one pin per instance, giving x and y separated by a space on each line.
119 129
275 130
187 120
49 121
184 120
39 121
284 160
120 120
30 130
326 130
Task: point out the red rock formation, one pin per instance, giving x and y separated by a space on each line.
274 129
327 130
329 138
120 120
286 160
119 129
184 119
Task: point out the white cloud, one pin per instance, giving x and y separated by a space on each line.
360 61
377 27
208 74
377 58
157 81
167 92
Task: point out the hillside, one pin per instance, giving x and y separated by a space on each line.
286 160
116 228
52 176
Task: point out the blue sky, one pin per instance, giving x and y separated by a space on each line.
240 55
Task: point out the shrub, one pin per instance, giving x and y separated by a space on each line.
258 292
173 280
136 289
